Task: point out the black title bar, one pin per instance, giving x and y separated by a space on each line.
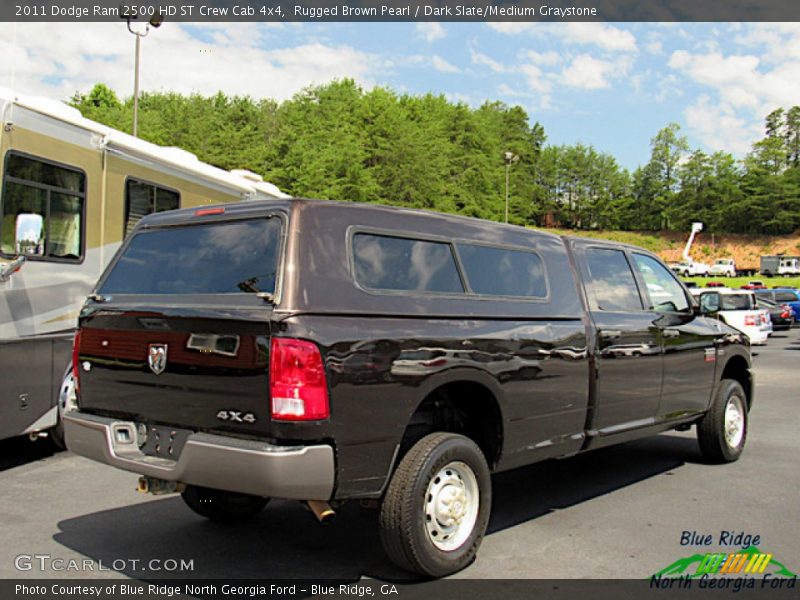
400 10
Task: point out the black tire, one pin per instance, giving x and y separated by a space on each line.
219 505
715 445
406 518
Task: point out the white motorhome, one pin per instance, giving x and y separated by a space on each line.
71 189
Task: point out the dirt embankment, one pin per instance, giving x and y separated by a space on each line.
746 250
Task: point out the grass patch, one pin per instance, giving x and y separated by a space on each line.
735 282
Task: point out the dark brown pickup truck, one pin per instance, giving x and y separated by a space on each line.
324 351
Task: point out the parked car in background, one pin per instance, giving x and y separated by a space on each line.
736 308
723 267
715 284
784 296
781 315
755 284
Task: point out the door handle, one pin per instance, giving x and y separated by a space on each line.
611 334
670 333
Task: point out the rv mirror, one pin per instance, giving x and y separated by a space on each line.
30 234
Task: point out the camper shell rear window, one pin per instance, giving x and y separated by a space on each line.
228 257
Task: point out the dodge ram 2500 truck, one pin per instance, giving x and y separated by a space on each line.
325 351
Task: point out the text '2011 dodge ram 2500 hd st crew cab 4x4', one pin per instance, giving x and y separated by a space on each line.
324 352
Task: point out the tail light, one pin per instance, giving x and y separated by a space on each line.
205 212
750 320
76 350
298 388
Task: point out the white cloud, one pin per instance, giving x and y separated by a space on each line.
605 36
742 80
602 35
741 87
590 73
543 59
486 61
442 65
511 27
720 127
57 59
537 80
431 32
654 47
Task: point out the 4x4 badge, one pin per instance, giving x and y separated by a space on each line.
157 358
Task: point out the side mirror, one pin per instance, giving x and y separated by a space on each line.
30 235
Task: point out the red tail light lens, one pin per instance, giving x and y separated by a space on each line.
298 388
750 320
76 350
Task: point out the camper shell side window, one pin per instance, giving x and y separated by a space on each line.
54 191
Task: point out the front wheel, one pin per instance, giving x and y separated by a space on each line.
723 431
437 506
219 505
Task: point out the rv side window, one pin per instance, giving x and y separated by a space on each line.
56 193
143 198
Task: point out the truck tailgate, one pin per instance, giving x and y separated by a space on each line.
187 368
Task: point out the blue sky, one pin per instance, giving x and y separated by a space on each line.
610 85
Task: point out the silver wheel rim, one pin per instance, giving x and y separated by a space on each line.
451 506
734 422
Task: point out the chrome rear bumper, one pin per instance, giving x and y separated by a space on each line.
213 461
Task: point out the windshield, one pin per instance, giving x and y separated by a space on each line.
737 301
220 258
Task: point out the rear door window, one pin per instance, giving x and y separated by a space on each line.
611 284
221 258
402 264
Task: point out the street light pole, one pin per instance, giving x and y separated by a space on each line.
155 22
136 80
509 158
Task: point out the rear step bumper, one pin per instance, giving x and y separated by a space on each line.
213 461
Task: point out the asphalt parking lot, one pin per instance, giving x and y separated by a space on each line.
614 513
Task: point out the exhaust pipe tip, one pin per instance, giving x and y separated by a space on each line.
322 511
143 486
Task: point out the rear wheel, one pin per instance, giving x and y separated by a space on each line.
723 431
437 506
219 505
66 401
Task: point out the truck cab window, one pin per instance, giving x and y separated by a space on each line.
143 198
666 294
611 284
56 193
